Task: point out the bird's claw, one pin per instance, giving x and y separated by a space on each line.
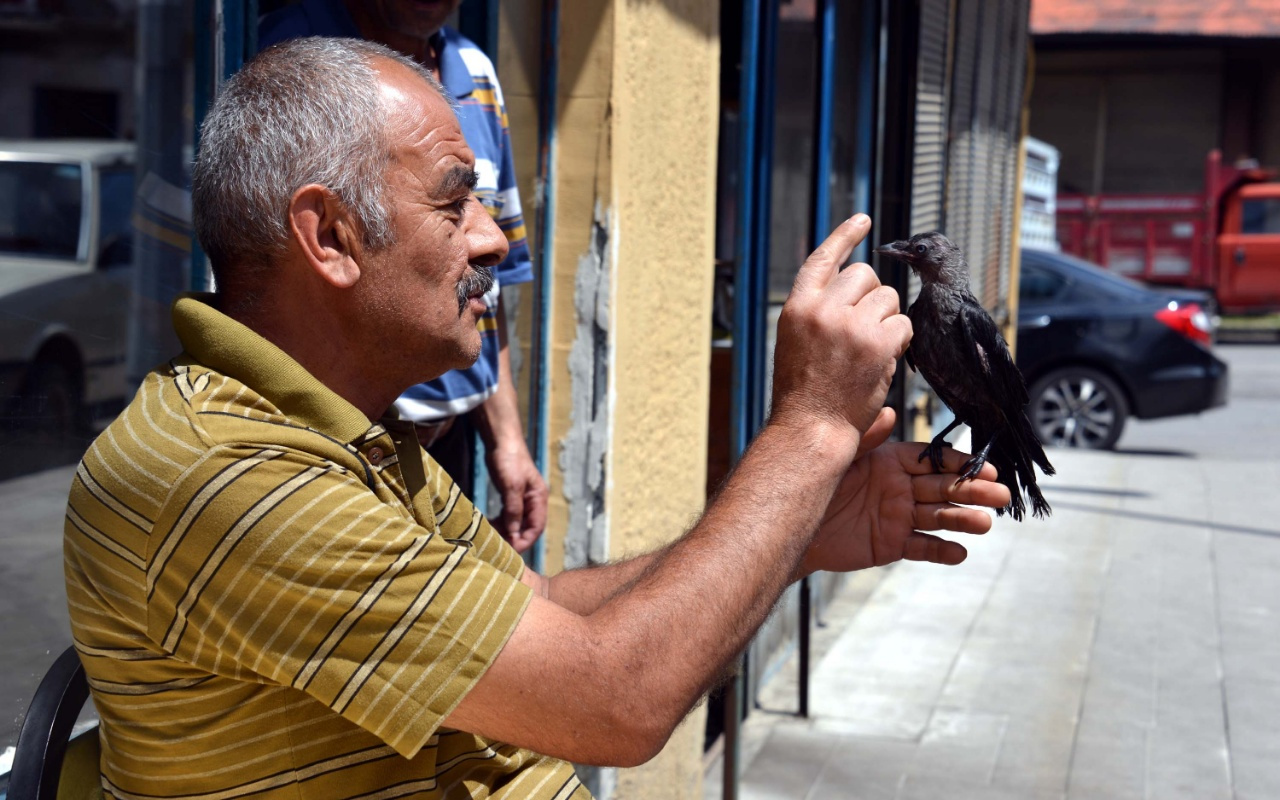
933 451
972 467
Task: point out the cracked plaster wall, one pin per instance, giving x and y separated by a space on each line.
631 274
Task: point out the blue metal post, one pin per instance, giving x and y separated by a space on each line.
162 229
826 24
751 281
821 208
865 119
226 35
539 412
202 96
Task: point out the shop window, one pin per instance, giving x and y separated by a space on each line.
94 243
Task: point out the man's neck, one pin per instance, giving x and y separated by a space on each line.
311 343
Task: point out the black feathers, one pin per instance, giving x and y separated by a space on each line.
959 350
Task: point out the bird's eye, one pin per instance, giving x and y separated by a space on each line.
921 249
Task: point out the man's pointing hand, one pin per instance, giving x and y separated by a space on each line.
840 336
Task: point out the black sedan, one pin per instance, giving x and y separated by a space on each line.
1096 348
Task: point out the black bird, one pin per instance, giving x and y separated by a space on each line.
959 350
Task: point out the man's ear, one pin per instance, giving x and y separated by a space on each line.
324 232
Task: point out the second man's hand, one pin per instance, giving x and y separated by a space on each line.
523 492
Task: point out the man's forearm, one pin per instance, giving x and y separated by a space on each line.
586 589
639 642
725 574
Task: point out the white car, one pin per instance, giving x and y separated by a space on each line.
66 262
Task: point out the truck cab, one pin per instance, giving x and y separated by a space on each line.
66 260
1248 256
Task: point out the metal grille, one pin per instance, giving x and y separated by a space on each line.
927 175
929 160
985 119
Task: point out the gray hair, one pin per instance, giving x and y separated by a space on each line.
304 111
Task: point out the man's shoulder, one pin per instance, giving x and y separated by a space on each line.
190 409
479 65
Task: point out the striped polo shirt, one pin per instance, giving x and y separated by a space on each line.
273 598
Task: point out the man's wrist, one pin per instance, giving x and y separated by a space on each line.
496 426
832 441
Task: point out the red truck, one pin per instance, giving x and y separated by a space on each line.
1225 240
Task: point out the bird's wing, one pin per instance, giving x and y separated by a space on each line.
988 352
911 359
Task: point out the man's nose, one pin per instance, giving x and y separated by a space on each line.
486 242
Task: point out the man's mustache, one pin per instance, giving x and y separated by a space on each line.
477 281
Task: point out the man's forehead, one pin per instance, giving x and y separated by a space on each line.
423 127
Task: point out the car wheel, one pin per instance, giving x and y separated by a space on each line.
1078 407
52 400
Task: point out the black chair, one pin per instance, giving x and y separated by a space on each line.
42 742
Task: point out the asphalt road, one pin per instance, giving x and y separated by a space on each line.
1247 428
32 604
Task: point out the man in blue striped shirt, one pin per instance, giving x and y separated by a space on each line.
481 398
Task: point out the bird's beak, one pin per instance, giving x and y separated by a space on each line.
898 249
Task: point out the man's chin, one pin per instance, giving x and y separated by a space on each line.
469 351
463 355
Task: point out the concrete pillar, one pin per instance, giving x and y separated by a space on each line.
632 276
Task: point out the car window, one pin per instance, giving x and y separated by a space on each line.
1088 282
115 234
1261 215
1096 294
40 209
1038 285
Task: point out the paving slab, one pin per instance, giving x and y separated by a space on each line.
1126 648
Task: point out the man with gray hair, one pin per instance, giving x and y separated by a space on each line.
454 409
276 593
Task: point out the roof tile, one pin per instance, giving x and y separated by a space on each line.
1184 17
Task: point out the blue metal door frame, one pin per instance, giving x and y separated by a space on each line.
751 285
755 165
226 35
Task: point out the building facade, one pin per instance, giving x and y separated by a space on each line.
1135 94
677 159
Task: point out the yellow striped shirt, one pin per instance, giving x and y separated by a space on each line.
273 598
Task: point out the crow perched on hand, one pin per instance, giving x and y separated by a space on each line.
959 350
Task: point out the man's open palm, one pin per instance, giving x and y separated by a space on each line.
888 499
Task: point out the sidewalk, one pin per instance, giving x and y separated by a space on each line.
1129 647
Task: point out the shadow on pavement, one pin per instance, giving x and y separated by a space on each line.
1053 487
1190 523
1155 453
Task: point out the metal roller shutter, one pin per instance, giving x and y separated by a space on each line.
986 100
929 158
929 161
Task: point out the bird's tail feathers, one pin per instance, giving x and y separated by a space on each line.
1039 506
1013 458
1029 442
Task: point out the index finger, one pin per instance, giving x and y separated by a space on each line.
824 263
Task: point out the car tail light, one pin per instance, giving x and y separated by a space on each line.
1188 319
